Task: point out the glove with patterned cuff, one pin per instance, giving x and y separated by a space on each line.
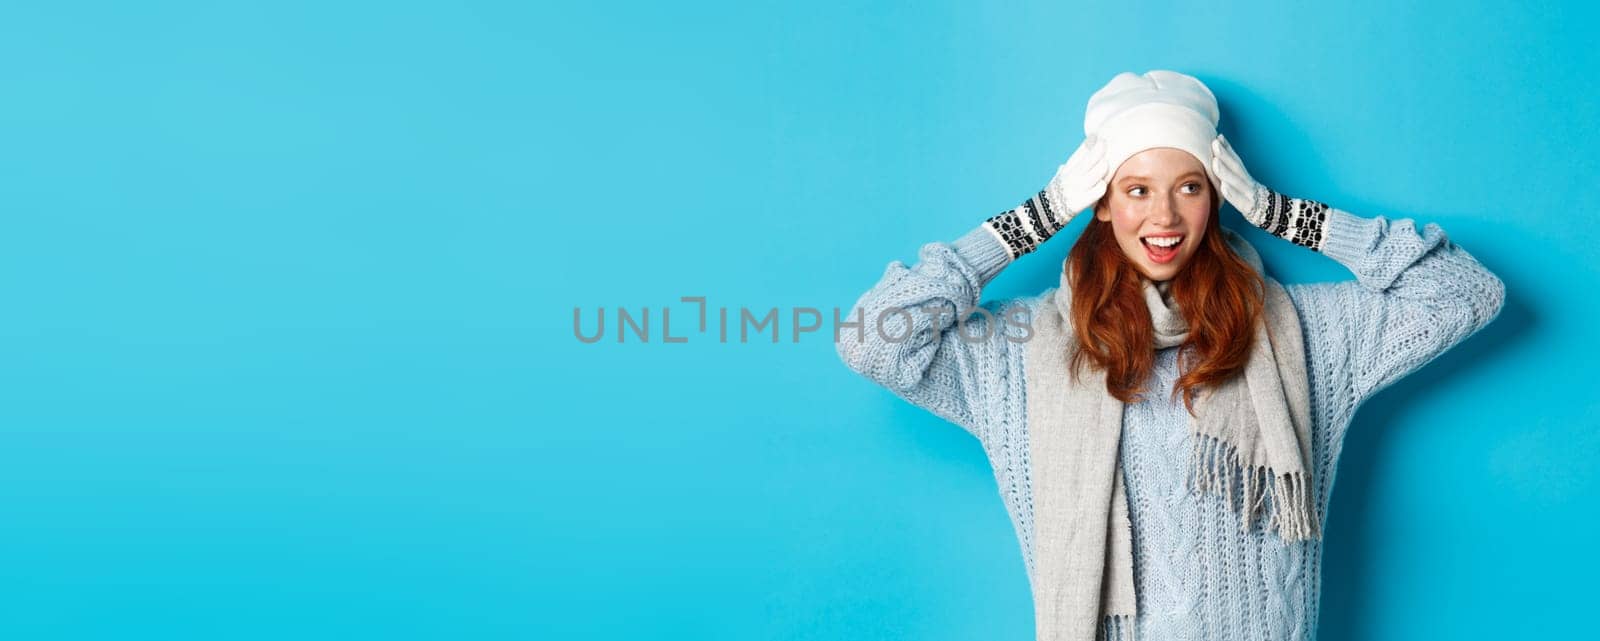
1297 220
1077 184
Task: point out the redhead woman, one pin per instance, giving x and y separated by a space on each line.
1165 426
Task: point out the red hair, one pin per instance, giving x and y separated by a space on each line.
1220 294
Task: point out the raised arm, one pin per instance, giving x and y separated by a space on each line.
935 362
1414 297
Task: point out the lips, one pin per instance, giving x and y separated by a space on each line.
1159 254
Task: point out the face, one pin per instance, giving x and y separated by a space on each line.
1158 196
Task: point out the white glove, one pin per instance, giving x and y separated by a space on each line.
1297 220
1080 181
1241 191
1077 184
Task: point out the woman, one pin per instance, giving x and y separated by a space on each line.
1165 426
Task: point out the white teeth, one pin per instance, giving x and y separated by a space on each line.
1167 241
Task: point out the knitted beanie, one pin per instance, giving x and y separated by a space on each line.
1158 109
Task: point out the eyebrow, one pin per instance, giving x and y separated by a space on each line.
1187 175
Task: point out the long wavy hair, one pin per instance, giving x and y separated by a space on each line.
1220 295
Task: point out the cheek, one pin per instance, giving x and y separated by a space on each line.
1126 220
1201 216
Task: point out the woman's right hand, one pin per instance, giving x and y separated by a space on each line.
1077 184
1080 181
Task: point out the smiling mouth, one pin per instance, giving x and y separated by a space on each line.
1162 249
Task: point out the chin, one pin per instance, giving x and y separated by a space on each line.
1160 272
1165 274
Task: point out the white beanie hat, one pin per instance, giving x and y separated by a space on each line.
1158 109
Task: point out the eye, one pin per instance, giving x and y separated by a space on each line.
1136 188
1194 185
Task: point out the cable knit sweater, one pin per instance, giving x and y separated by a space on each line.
1197 575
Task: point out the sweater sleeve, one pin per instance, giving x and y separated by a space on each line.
909 340
1415 295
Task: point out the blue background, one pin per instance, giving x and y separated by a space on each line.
288 346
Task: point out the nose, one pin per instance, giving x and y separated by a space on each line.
1166 213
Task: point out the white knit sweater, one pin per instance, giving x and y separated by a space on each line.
1198 576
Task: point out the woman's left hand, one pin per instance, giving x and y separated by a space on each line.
1241 191
1297 220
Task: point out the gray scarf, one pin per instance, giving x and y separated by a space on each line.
1253 432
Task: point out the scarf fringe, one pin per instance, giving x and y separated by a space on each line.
1117 627
1218 468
